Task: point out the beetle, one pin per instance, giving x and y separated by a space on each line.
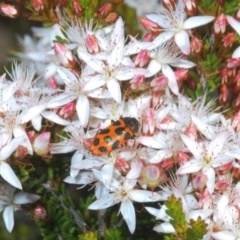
114 136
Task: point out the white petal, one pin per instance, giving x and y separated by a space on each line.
172 82
105 202
203 213
126 73
10 90
76 158
204 128
114 88
129 214
9 176
153 211
8 149
30 113
160 39
94 82
182 40
8 217
234 23
153 67
224 235
182 63
190 167
210 173
149 142
94 63
107 172
164 228
37 122
82 178
53 117
61 100
83 109
236 53
23 198
197 21
144 196
193 146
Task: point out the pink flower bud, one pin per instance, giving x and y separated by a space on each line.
205 200
122 165
21 152
157 97
196 45
41 144
159 83
111 18
40 213
77 8
182 158
228 40
169 4
223 94
167 164
236 86
52 83
8 10
190 7
152 175
137 83
191 131
92 44
223 75
181 75
199 181
236 121
236 102
105 9
233 62
142 58
31 136
150 26
220 24
65 56
148 122
68 111
148 37
221 186
38 5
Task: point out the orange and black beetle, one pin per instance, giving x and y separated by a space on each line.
114 136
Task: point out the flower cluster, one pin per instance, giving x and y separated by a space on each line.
91 77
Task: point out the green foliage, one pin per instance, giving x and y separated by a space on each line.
184 230
197 230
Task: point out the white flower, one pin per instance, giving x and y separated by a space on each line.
110 71
78 142
166 55
124 191
11 201
75 90
206 157
169 144
174 24
6 171
36 104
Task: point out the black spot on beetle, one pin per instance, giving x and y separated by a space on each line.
96 141
127 136
102 149
115 144
107 139
119 131
104 131
116 123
